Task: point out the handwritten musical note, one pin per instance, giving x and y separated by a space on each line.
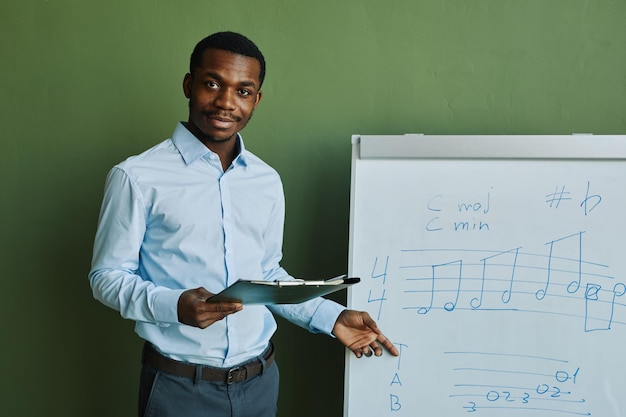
574 285
449 305
599 313
477 302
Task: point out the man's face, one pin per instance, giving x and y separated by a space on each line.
223 92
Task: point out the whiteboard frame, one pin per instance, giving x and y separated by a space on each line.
415 146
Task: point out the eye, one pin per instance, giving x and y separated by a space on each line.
212 84
245 92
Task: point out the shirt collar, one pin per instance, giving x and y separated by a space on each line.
191 149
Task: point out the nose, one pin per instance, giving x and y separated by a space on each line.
225 99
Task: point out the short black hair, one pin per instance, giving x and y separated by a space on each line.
227 41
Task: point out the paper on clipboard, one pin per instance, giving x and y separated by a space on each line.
280 292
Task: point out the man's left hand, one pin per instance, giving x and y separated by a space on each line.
359 333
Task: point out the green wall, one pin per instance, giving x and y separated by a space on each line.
84 84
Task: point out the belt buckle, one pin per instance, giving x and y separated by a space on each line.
230 376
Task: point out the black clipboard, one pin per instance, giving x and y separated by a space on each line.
280 292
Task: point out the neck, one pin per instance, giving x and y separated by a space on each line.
227 149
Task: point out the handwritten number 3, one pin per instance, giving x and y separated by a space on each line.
471 408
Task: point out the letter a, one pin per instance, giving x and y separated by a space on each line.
396 380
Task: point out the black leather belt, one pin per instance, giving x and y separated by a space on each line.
228 376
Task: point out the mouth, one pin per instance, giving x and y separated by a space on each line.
222 120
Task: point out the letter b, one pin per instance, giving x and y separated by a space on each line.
394 402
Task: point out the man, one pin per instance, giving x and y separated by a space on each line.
187 218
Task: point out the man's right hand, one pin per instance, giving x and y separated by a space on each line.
195 311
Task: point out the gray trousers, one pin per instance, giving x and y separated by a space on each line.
165 395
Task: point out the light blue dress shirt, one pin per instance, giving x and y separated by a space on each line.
172 220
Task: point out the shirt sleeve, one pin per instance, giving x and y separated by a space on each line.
317 316
114 276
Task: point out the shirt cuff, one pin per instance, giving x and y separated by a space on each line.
326 316
165 306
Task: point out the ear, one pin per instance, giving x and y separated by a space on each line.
187 81
258 98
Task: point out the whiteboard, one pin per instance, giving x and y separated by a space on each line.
496 266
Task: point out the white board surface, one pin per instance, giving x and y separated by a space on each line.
496 265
